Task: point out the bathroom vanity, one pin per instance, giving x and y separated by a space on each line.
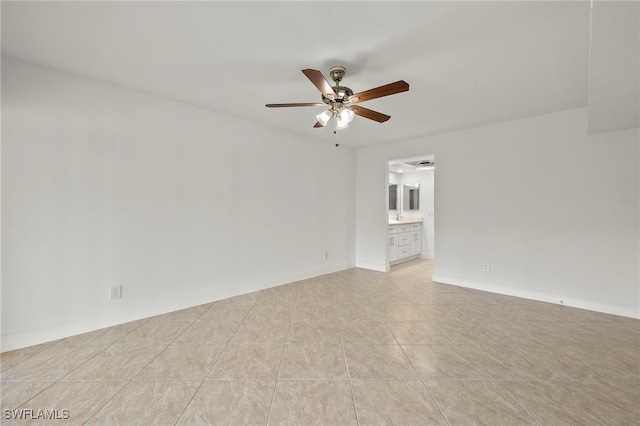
404 240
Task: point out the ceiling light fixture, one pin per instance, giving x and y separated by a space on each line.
324 117
341 124
347 115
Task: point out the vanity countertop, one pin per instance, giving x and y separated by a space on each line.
407 220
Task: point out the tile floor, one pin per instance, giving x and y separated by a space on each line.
353 347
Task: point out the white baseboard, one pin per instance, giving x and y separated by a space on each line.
623 310
63 330
372 266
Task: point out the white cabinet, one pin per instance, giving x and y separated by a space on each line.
415 239
392 243
404 241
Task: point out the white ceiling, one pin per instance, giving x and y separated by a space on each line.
468 63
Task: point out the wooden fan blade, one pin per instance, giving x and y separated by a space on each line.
386 90
293 105
370 114
317 125
320 82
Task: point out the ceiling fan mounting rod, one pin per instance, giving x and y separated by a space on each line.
343 92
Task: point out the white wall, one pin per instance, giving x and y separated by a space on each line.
553 210
102 185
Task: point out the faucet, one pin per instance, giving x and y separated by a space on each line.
398 217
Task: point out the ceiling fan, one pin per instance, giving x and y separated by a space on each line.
341 100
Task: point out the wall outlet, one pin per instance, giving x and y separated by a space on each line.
325 255
486 267
115 292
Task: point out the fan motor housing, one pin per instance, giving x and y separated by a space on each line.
345 91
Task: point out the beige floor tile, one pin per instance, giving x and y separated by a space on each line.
105 336
147 403
313 361
621 397
11 358
394 403
399 312
628 360
230 402
393 348
507 363
52 363
355 310
613 360
443 362
250 331
317 402
226 313
313 312
248 361
81 399
378 362
603 362
366 331
270 311
182 361
319 298
522 313
282 294
560 402
460 312
153 332
14 394
248 299
478 332
395 306
565 313
117 362
189 314
208 332
314 332
555 333
417 332
568 366
477 402
420 297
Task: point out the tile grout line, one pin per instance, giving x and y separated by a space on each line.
497 383
60 379
204 379
284 347
346 364
424 385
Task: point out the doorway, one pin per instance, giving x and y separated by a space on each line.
411 184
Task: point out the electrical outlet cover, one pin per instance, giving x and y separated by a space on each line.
116 292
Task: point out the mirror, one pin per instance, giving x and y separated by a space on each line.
393 196
411 197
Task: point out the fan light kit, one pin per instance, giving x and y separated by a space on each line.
341 100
